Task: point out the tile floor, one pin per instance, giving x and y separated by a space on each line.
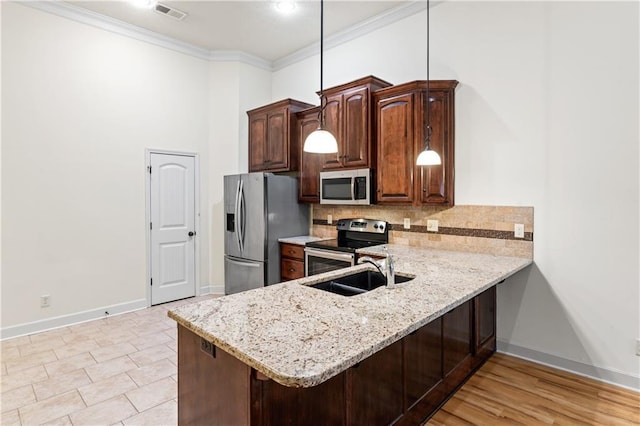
117 370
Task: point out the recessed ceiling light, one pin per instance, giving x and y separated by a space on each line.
285 6
144 4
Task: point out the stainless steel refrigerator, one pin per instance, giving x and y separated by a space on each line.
259 209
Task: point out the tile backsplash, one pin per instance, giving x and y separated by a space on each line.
479 229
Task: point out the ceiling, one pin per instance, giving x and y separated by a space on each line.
253 27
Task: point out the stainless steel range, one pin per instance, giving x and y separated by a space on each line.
329 255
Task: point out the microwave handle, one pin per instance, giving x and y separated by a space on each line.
353 188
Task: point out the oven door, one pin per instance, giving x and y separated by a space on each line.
318 261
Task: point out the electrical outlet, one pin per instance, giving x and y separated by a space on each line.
638 347
44 301
407 223
329 219
518 230
432 225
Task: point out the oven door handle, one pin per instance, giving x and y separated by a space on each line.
326 254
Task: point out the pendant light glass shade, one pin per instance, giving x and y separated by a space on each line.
428 157
320 141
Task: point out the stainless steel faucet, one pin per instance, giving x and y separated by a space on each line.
385 266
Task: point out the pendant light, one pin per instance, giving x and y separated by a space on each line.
321 141
428 157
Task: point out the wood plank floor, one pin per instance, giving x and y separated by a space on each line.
509 390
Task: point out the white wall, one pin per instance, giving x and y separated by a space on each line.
234 88
80 105
546 115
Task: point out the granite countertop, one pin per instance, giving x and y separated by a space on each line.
300 336
301 240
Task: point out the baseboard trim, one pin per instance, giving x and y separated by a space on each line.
212 289
612 377
70 319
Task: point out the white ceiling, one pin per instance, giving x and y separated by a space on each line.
252 27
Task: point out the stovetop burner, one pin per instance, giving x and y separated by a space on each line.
354 234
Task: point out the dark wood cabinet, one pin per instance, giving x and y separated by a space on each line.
291 261
310 163
348 115
403 384
400 116
485 322
274 404
374 388
273 142
423 367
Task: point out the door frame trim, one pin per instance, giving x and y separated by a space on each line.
147 214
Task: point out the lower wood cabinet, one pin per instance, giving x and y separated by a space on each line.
291 261
403 384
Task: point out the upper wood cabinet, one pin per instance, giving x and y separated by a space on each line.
273 145
310 163
348 115
400 117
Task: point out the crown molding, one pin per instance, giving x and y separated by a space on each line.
358 30
78 14
116 26
239 56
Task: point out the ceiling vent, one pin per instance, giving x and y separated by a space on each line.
176 14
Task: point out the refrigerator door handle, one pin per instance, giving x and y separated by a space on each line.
237 215
242 217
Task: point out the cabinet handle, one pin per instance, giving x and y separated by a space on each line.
292 269
291 252
424 189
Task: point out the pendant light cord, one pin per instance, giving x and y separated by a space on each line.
428 128
323 102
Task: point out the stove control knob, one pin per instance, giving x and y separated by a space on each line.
381 227
375 226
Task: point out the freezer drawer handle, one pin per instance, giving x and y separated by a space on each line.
251 265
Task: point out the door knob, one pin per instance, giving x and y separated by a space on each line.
191 233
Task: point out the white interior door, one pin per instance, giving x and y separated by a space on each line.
172 227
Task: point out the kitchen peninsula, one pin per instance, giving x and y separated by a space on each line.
292 354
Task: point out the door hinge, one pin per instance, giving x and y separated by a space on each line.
150 225
149 168
151 279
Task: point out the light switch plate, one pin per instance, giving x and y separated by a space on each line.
432 225
518 230
407 223
329 219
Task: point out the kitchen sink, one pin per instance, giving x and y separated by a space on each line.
358 283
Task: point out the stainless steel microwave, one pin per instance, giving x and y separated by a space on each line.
345 187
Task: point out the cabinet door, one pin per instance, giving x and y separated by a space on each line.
333 123
275 404
356 131
277 151
456 337
423 365
395 147
374 388
435 183
258 142
310 164
485 321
